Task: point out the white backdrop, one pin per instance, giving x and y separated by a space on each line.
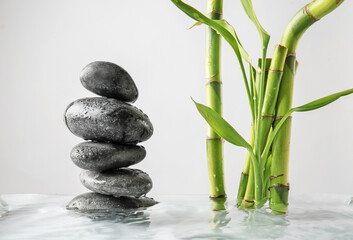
45 44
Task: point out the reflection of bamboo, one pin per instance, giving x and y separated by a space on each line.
219 213
214 101
259 224
3 208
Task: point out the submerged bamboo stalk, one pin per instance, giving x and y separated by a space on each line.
214 101
279 185
308 15
246 199
244 179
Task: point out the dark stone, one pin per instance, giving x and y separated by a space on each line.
118 182
109 80
97 202
107 120
104 156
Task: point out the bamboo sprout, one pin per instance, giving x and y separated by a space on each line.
214 101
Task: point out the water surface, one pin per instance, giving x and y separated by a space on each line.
39 217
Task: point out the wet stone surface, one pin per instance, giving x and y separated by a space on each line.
114 127
119 182
98 202
104 156
109 80
107 120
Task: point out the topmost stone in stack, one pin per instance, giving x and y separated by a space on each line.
108 119
109 80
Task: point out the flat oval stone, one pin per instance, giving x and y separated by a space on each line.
119 182
88 202
107 120
104 156
109 80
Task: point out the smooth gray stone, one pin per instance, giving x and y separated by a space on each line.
109 80
104 156
107 120
118 182
97 202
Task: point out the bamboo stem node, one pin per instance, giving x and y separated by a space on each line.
212 76
220 196
278 185
215 12
274 177
310 15
267 116
213 81
215 138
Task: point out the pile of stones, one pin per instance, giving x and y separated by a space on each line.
112 127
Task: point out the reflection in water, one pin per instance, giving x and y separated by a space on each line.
261 223
43 217
3 208
137 218
256 224
219 219
350 202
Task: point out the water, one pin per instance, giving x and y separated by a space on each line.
39 217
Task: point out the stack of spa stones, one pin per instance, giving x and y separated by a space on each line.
112 127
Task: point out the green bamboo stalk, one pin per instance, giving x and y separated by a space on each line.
249 196
279 186
245 173
259 73
214 101
267 176
306 16
246 170
271 92
219 213
218 204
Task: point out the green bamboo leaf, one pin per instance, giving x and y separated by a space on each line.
319 103
195 24
231 30
221 26
316 104
248 7
221 126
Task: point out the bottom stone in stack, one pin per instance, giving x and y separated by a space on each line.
91 201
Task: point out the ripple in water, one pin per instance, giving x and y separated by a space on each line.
29 216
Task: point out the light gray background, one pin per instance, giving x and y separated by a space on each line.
44 45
